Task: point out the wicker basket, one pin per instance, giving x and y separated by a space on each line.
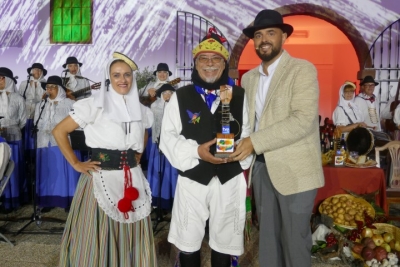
387 228
354 199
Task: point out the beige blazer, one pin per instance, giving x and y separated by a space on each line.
288 133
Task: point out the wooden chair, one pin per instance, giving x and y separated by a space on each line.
393 191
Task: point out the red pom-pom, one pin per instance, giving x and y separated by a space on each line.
124 205
131 193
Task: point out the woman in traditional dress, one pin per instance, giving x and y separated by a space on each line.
56 179
12 120
109 222
161 175
347 115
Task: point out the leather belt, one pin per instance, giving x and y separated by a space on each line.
114 159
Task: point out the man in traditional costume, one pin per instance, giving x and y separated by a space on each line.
74 81
208 187
368 103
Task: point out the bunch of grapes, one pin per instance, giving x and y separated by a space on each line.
330 240
354 234
368 220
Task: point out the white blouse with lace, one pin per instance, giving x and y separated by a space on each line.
108 185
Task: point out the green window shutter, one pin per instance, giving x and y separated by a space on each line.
71 21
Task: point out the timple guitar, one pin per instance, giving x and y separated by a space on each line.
73 95
148 100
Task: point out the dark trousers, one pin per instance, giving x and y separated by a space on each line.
285 232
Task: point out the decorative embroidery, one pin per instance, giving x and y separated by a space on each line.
194 117
103 157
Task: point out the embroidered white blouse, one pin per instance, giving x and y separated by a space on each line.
108 185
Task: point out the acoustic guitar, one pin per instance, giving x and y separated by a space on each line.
148 100
75 94
389 123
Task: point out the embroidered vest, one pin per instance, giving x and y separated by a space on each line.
198 123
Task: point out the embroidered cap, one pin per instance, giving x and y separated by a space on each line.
212 43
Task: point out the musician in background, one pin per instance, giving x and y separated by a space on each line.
162 74
347 116
156 168
12 120
74 80
368 103
32 92
56 179
147 96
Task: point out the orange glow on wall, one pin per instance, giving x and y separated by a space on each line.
326 47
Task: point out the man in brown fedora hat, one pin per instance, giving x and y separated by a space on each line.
282 93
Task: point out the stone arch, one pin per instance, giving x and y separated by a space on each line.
360 46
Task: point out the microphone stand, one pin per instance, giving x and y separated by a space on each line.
36 216
159 217
26 87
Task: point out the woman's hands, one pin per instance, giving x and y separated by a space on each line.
87 167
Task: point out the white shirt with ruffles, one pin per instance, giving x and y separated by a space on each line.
101 132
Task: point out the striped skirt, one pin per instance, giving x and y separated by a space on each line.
93 239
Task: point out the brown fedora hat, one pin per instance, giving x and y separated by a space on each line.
268 18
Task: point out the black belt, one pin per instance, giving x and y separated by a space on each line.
114 159
260 158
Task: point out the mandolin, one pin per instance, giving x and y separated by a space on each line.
73 95
389 123
148 100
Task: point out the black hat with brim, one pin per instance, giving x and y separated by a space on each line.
37 66
162 67
72 60
163 88
268 19
368 79
53 80
6 72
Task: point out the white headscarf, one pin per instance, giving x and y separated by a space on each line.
9 87
50 108
347 104
72 82
117 107
32 79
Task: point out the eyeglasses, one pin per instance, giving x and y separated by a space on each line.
167 93
51 86
203 59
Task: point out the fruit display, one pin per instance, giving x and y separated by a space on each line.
378 247
346 210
